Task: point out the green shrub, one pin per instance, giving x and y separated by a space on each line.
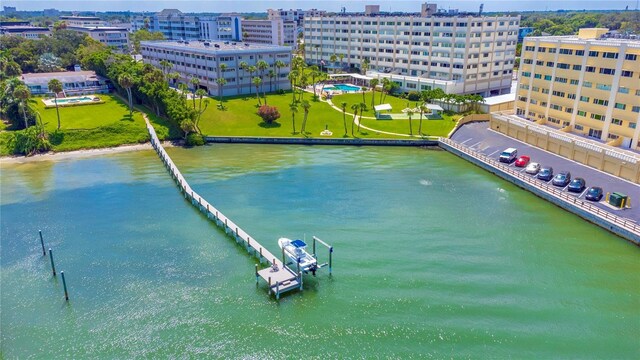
194 139
413 95
28 141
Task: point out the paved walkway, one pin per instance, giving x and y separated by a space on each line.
479 137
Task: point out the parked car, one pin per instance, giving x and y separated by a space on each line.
594 193
522 161
577 185
545 173
562 179
509 155
532 168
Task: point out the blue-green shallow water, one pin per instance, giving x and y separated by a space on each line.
434 258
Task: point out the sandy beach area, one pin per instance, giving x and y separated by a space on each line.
51 156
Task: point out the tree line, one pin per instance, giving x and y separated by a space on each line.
568 23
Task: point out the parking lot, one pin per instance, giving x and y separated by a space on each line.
479 137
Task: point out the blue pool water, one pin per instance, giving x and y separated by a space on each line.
343 87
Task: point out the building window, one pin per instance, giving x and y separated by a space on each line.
603 87
610 55
607 71
621 106
616 121
632 125
601 102
574 81
578 127
590 69
636 109
547 77
597 117
577 67
623 90
580 52
584 98
587 84
595 133
594 53
631 57
566 51
627 73
582 113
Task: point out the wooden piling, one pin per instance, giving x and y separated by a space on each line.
53 266
330 259
44 253
257 276
64 284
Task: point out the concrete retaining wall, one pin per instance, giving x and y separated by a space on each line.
317 141
604 219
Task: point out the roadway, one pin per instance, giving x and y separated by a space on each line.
478 137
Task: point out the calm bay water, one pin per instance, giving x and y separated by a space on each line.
434 258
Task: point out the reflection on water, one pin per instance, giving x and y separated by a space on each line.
434 258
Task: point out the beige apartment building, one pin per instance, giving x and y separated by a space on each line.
587 84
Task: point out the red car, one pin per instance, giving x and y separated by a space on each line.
523 161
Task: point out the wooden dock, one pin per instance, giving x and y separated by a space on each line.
279 281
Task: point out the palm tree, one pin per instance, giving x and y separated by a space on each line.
423 109
343 105
278 65
373 83
55 86
194 83
363 108
200 93
410 113
221 82
257 82
173 76
293 76
183 89
364 66
333 59
363 90
306 106
262 66
251 69
293 107
126 81
355 108
341 56
271 75
303 83
243 66
385 88
23 94
165 66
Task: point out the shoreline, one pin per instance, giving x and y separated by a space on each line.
76 154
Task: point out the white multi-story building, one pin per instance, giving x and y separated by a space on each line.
476 53
82 21
175 25
296 15
23 29
117 37
263 31
202 60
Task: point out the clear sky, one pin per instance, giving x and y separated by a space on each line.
330 5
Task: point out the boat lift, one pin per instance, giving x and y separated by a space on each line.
288 276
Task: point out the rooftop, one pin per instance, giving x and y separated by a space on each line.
596 36
79 18
214 46
64 76
97 28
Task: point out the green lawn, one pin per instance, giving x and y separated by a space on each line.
401 126
92 126
241 119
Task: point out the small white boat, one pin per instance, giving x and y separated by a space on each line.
295 251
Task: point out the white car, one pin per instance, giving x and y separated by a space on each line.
532 168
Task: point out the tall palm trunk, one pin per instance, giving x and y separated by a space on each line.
420 125
57 111
24 115
355 116
344 120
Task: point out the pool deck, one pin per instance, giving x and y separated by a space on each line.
75 100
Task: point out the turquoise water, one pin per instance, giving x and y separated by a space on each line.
74 99
343 87
434 258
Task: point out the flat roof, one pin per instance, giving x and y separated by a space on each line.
382 107
64 76
97 28
434 107
229 46
611 41
500 99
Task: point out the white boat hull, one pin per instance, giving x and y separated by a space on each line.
298 255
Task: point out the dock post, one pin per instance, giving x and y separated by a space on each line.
330 259
257 276
260 258
284 263
314 247
53 266
64 284
277 290
299 274
44 253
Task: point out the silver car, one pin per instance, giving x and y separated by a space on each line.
532 168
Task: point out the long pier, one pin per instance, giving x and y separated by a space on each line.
279 277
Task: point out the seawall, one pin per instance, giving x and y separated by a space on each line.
319 141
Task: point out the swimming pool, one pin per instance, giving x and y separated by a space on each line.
71 100
342 87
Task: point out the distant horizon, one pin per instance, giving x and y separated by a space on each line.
329 5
